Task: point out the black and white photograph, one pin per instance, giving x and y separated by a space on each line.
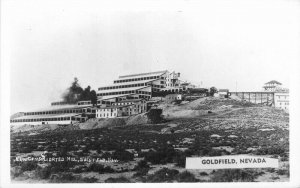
106 92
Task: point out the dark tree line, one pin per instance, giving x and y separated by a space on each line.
76 93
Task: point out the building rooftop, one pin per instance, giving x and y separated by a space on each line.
131 100
223 90
61 107
112 96
174 94
126 83
273 82
122 89
115 106
157 73
47 116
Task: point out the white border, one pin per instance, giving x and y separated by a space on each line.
144 5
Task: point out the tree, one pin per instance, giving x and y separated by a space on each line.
73 93
85 95
212 91
93 96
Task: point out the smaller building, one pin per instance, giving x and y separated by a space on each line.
84 103
173 97
58 113
281 100
122 108
110 111
223 93
271 85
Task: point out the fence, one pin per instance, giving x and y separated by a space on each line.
265 98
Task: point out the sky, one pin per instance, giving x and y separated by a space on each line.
239 45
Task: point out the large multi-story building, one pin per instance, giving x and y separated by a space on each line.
136 86
122 108
57 113
127 96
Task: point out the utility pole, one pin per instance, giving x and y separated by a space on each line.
235 86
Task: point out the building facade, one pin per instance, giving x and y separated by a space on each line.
281 100
173 97
128 95
272 86
57 113
122 108
223 93
137 86
272 95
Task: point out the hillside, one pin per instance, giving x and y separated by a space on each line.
233 127
201 107
210 111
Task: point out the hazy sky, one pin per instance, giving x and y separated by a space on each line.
217 43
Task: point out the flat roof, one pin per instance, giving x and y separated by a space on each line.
115 106
122 89
60 107
157 73
223 90
273 82
172 94
47 116
130 100
126 83
261 92
113 96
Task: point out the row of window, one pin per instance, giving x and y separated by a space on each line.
58 103
123 103
123 86
282 96
129 111
124 92
42 119
106 110
54 112
286 103
172 85
104 102
84 103
107 115
138 79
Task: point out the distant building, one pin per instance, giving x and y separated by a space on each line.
281 100
122 108
84 103
281 94
137 86
128 95
223 93
57 113
187 86
272 85
273 94
173 97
